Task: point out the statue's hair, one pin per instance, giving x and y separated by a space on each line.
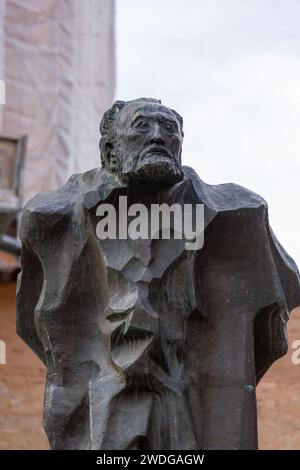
107 126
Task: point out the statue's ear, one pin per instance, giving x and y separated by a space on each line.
111 161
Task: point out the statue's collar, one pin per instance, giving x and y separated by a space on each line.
101 183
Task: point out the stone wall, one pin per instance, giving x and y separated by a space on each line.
59 69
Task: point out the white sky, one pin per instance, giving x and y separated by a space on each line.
231 68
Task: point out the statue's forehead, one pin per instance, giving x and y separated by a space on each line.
133 110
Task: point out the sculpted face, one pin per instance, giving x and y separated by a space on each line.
149 143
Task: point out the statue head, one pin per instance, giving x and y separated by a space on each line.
142 140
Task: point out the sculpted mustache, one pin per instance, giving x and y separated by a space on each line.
158 150
134 160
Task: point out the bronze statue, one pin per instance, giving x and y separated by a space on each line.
149 345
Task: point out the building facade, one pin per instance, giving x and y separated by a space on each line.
57 58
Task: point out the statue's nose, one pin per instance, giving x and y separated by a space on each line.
156 135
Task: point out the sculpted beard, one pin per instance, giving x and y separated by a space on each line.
151 165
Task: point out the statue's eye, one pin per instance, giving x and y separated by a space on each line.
169 127
142 124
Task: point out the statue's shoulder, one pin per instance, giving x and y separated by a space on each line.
228 196
55 208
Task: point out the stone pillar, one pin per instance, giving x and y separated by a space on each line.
59 72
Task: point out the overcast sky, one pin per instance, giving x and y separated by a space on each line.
231 68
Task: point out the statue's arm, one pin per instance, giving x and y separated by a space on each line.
62 304
29 287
